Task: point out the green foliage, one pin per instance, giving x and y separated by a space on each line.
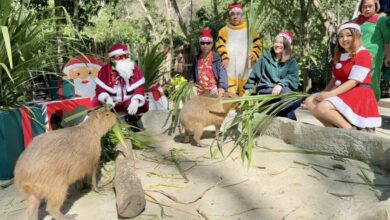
150 61
27 50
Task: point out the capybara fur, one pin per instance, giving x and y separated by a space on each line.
56 159
203 111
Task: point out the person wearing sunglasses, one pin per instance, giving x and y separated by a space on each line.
120 84
207 72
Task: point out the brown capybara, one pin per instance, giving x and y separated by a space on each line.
203 111
56 159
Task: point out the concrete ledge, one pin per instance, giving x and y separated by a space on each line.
384 103
358 144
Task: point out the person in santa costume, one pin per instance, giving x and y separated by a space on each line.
348 100
232 46
276 72
376 38
207 68
121 83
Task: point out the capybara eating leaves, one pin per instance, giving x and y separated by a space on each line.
203 111
56 159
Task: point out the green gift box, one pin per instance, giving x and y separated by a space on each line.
17 126
61 89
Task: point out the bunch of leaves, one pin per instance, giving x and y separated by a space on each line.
254 114
150 62
184 92
27 50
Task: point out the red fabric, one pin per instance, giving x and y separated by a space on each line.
361 19
206 34
156 92
60 89
287 34
206 77
66 105
232 7
360 99
122 107
26 126
119 47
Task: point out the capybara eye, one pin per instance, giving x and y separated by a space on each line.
78 74
90 73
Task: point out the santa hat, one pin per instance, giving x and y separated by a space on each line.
205 35
235 8
350 26
82 61
286 34
118 49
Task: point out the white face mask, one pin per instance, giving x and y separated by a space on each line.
125 68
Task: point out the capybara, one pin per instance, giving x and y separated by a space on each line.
203 111
56 159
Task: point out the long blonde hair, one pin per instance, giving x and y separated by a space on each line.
356 44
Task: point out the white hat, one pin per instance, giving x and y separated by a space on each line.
348 25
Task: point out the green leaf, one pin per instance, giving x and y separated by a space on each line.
7 42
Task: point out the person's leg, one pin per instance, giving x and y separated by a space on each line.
329 113
311 105
288 112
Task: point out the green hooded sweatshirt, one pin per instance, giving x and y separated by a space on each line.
269 72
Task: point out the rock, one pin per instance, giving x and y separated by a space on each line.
156 122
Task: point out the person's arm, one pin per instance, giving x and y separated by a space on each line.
257 47
384 27
291 80
254 76
330 85
346 86
220 45
139 91
222 77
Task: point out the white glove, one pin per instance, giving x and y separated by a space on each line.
110 102
133 107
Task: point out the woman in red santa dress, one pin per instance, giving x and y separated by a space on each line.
121 83
348 101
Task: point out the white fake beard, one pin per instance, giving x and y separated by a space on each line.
85 89
125 68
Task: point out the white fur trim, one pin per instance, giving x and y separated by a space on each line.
205 39
135 85
337 83
140 98
339 65
352 117
358 73
104 86
344 56
118 52
103 96
348 25
235 9
285 36
90 65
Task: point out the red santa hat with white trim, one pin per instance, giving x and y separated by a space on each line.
288 35
235 8
82 61
349 25
118 49
205 35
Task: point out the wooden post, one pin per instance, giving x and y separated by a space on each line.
130 197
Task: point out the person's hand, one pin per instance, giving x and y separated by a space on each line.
277 89
133 107
221 92
252 58
323 95
225 63
110 102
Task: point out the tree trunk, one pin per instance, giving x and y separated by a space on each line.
60 50
183 26
305 42
130 197
150 20
215 7
170 34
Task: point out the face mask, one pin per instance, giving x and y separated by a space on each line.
125 68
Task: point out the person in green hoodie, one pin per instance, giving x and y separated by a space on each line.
276 72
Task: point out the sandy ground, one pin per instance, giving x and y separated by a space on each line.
277 185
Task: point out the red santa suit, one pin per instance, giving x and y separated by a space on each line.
110 84
358 105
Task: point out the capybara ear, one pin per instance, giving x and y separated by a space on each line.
232 95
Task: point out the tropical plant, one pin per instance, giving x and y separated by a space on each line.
254 114
150 61
27 50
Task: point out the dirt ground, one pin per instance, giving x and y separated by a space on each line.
277 185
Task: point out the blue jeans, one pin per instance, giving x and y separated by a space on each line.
288 112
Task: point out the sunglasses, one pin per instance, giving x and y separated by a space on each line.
121 57
205 43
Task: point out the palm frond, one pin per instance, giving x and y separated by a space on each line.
150 62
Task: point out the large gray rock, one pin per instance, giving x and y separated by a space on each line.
357 144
